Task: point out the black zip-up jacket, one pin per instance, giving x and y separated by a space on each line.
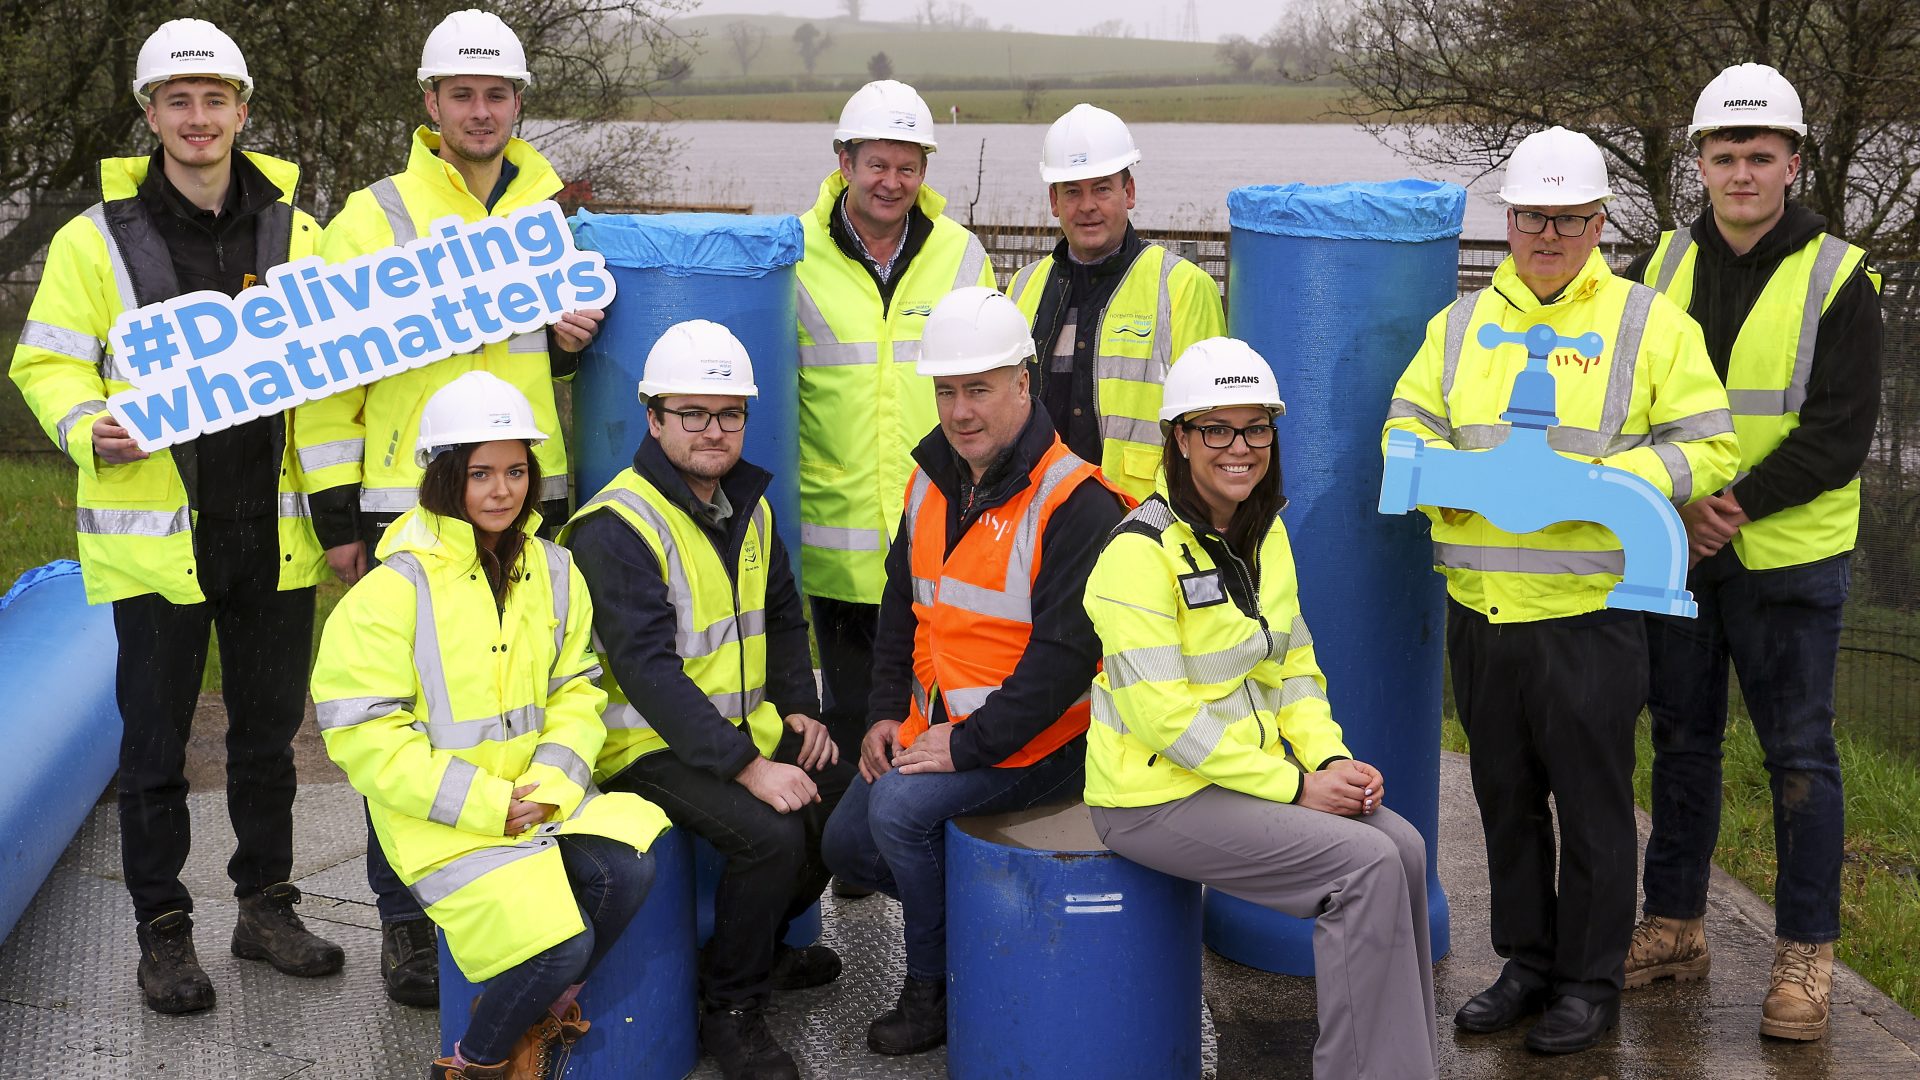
633 618
1088 288
1843 387
1062 654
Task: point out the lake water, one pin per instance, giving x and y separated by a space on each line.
1183 178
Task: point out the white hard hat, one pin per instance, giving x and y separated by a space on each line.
189 47
473 42
698 357
886 110
1747 95
478 407
1086 143
1555 167
972 330
1215 374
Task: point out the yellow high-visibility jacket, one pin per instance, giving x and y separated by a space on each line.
1192 690
365 435
134 522
1649 404
863 408
438 705
1163 305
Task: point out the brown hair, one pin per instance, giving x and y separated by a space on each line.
443 491
1251 518
1737 135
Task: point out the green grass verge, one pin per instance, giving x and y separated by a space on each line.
1208 103
1879 886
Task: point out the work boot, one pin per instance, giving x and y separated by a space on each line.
1666 948
740 1043
799 969
847 890
1796 1005
545 1048
170 974
917 1024
269 930
410 962
447 1069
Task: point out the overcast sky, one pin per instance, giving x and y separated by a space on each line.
1149 18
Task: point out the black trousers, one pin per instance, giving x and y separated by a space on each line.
266 648
844 632
774 869
1550 708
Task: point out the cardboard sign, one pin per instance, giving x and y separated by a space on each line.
206 361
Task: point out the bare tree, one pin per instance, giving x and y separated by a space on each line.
746 40
1237 52
1031 94
853 8
1303 40
810 42
1109 28
951 15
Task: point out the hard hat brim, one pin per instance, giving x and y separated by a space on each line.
425 452
849 137
667 389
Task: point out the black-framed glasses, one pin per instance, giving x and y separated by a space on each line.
695 420
1221 436
1533 222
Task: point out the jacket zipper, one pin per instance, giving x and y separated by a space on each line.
1252 581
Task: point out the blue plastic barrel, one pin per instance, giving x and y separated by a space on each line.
1064 959
708 865
1334 286
61 726
732 269
642 1000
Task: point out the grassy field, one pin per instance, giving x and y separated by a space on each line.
1209 102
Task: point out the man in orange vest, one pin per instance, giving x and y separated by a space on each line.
984 654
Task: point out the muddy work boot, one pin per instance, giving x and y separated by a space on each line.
269 930
170 974
917 1024
1796 1005
447 1068
1666 948
410 962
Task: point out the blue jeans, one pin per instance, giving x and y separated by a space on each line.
891 835
609 879
1781 629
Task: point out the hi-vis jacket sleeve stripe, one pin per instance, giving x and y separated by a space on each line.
570 742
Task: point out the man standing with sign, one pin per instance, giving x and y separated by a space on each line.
356 446
209 534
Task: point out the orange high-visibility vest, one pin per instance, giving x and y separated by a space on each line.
973 609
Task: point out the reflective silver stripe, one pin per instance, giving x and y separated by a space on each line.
112 367
384 500
1208 726
691 644
58 339
1149 663
1626 358
923 589
1459 321
1528 560
906 352
1133 369
591 674
554 487
622 716
1020 279
920 700
470 868
564 759
737 706
997 603
971 263
1300 688
1163 316
1826 266
328 454
467 734
834 538
1299 637
1701 425
558 562
1013 600
1129 429
1681 472
966 699
1402 409
533 341
1151 371
1230 663
917 489
1106 711
97 213
811 320
838 355
1571 440
346 712
387 194
454 785
98 522
293 504
74 415
427 660
1758 402
1676 254
673 570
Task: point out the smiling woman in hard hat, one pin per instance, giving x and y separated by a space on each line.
1208 696
455 687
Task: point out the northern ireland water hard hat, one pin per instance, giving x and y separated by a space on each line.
1087 143
478 407
972 330
886 110
697 357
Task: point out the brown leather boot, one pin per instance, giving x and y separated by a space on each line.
446 1069
1666 948
1797 1002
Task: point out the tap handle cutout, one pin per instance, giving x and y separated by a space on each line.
1540 340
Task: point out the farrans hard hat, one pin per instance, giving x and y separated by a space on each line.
1555 167
185 47
1747 95
473 42
1215 374
478 407
886 110
972 330
698 357
1085 144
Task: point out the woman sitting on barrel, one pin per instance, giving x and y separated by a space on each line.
1210 695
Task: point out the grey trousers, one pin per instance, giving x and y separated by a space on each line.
1364 878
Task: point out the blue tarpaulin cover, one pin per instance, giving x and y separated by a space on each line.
1406 211
730 245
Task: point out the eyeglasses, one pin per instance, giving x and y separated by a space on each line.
1533 222
1220 436
695 420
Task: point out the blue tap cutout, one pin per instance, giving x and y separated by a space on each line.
1522 485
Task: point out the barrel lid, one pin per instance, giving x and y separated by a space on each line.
1405 211
683 245
1058 828
54 570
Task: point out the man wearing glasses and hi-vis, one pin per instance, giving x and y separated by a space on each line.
1548 680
